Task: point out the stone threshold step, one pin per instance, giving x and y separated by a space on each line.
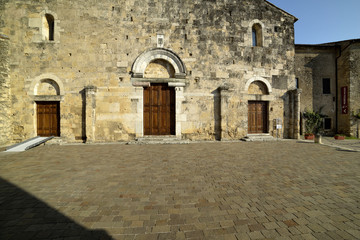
164 139
258 138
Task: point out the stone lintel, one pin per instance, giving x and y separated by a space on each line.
258 97
176 84
157 80
141 84
48 98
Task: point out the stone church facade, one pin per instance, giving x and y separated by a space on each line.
102 71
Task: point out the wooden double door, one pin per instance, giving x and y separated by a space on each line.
48 118
159 110
258 117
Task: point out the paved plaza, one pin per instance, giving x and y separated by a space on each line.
240 190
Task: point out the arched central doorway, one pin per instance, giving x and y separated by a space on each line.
258 116
161 74
159 99
47 108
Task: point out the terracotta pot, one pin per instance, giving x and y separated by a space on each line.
309 136
339 137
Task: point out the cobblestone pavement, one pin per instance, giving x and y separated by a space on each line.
242 190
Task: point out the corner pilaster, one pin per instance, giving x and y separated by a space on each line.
90 114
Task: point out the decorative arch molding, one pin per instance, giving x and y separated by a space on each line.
45 77
256 21
143 60
261 79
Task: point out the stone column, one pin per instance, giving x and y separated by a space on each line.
179 99
139 98
224 93
296 133
5 102
90 114
294 112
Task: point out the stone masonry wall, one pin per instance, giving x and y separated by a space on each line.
97 42
343 81
354 88
5 103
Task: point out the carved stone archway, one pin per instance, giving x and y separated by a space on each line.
145 58
175 80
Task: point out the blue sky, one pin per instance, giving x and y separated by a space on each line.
322 21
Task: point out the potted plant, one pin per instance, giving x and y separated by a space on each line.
339 136
313 124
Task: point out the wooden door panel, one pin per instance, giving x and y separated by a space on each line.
257 117
48 118
159 116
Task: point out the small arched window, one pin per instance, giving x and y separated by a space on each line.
257 35
49 27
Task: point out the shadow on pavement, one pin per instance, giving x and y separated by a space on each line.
23 216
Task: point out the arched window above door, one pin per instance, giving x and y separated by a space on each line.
48 27
257 35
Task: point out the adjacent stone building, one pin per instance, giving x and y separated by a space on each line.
100 71
329 76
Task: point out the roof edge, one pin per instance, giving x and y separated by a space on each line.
336 43
282 10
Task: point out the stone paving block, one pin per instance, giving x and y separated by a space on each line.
242 236
165 236
283 231
316 227
256 227
345 235
123 237
304 237
290 223
341 225
261 220
180 236
270 234
194 234
321 236
146 237
227 223
352 225
354 232
270 225
303 229
284 238
255 235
